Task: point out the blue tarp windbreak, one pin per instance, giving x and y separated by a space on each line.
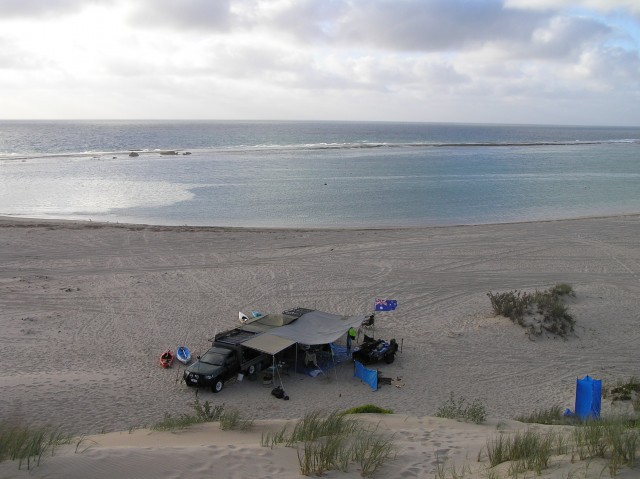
369 376
588 398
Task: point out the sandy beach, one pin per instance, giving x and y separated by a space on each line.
87 308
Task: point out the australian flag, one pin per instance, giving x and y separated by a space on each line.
386 304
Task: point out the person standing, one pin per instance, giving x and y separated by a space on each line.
351 336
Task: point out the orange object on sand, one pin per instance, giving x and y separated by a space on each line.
166 359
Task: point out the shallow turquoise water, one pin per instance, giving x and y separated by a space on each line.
316 174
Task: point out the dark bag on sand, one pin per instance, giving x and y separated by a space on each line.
278 392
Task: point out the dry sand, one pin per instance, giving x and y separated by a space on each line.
87 308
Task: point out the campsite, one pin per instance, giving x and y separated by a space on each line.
89 308
298 340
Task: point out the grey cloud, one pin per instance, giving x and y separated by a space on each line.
615 66
39 8
433 25
398 25
308 20
211 15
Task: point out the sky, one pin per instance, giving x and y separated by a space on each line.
471 61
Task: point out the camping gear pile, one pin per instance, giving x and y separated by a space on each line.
373 350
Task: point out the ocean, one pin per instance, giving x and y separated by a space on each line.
315 174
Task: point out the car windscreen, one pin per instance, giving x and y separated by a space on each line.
211 357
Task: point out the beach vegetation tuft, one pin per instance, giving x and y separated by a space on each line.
27 445
333 441
202 412
459 409
368 409
537 312
231 419
552 415
614 440
527 450
624 390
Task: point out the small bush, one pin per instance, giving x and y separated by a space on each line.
202 413
553 415
553 314
625 391
458 409
332 442
232 420
368 408
562 289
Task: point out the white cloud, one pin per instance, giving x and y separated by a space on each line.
407 59
600 5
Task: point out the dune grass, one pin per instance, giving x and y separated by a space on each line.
232 419
616 440
459 409
368 408
202 412
527 451
548 305
333 441
27 445
553 415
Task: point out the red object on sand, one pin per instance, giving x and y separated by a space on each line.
166 359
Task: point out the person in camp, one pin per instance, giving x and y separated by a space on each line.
352 334
310 359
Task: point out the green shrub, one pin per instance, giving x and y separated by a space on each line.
548 304
22 443
232 420
528 450
617 440
202 413
368 408
562 289
553 415
458 409
332 442
624 391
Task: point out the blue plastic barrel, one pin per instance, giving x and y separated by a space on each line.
588 398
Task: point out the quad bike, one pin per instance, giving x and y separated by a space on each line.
375 350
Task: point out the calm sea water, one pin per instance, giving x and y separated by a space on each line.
315 174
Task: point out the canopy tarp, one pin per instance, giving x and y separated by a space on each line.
312 328
317 327
267 343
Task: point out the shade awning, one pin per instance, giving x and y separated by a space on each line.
268 343
317 327
312 328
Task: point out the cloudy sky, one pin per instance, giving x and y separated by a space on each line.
497 61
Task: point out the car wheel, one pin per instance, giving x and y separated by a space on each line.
389 358
217 385
252 369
